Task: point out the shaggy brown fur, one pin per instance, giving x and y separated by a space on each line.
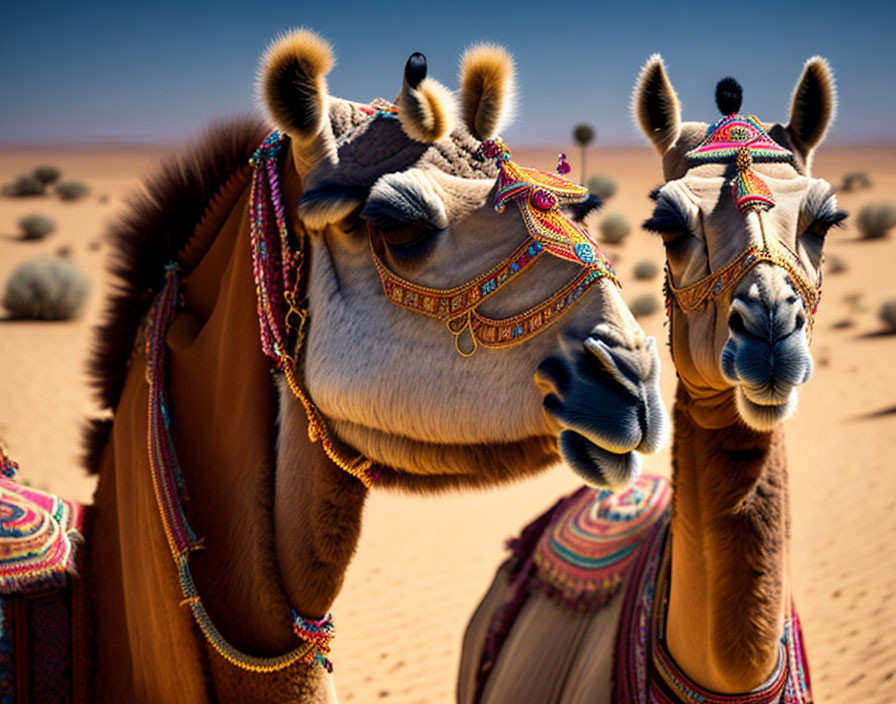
486 89
157 225
729 529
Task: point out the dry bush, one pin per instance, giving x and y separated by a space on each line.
45 289
36 227
614 228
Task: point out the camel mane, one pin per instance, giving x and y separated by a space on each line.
157 225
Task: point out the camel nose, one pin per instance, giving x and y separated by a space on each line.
767 351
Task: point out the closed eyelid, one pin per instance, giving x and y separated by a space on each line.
402 198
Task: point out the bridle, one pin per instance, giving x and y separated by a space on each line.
277 270
742 140
540 197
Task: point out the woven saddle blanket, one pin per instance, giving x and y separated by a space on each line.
594 543
42 652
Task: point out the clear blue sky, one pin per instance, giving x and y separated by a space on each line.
81 72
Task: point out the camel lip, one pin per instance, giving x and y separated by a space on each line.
764 417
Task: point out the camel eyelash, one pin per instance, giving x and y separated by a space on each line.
666 218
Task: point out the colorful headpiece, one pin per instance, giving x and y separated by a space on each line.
742 140
540 195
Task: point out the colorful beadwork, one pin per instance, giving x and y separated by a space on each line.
169 488
645 671
725 139
8 466
540 196
319 632
589 547
277 271
39 533
742 140
691 298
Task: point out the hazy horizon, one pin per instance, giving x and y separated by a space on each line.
156 75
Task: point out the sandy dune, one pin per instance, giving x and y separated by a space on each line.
423 563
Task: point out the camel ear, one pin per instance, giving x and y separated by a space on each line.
292 83
655 105
425 107
487 89
813 106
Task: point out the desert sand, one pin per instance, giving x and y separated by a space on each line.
423 563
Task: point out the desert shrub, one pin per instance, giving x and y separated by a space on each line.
855 181
614 228
602 186
46 174
875 219
644 305
45 289
94 245
646 269
64 251
834 264
36 227
72 190
888 314
24 186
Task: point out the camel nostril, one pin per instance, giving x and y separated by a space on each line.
736 323
800 321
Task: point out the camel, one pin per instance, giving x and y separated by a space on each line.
681 593
368 296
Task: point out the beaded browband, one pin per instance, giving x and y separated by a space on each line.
743 141
540 197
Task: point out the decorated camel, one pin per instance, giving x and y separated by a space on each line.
623 597
362 298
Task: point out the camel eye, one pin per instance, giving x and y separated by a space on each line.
407 235
674 239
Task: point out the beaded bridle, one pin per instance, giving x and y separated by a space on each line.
742 140
277 270
540 197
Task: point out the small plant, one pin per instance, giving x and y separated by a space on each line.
646 269
584 135
72 190
854 181
614 228
45 289
94 245
644 305
36 227
602 186
46 174
834 264
875 219
24 186
64 251
888 314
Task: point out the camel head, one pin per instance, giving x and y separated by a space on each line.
743 224
399 201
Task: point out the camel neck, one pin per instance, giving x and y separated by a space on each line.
730 533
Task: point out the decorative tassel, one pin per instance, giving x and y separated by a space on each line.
749 190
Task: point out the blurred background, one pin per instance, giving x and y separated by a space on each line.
95 94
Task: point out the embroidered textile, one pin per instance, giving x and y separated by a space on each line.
644 671
589 547
38 535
